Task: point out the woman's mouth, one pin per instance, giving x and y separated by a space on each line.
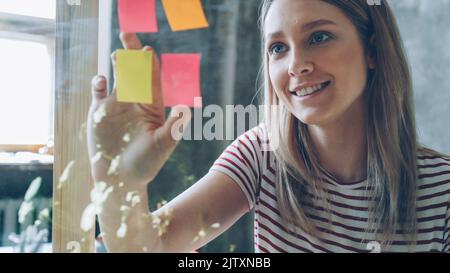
310 90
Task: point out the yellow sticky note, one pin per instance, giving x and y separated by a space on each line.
185 14
134 76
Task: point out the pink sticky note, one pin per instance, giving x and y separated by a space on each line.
137 16
181 79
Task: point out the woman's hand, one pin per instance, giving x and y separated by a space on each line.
130 142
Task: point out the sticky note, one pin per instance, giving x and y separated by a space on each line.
181 79
137 16
134 76
185 14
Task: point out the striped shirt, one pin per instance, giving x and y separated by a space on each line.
344 226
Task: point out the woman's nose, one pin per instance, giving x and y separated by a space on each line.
300 68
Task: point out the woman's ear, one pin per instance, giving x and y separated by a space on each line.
371 53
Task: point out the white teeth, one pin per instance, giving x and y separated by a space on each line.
308 90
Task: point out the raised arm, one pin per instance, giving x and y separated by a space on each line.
128 145
197 216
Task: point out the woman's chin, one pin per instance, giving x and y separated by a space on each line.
310 118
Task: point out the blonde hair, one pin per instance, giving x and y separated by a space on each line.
391 134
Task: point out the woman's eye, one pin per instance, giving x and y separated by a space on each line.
319 37
277 49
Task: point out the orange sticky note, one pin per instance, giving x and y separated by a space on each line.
137 16
181 79
185 14
134 76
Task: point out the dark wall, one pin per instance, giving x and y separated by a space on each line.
15 179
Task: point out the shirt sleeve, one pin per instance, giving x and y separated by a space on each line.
241 161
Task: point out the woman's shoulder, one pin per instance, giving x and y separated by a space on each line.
433 167
430 156
257 136
256 142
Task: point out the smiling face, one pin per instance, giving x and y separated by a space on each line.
316 61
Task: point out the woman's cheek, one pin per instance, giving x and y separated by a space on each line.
329 59
353 72
275 76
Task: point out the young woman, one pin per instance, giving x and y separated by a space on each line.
347 175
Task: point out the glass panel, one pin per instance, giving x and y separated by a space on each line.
230 58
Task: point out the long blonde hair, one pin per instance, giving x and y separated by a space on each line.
391 134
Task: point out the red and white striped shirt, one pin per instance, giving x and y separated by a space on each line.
253 169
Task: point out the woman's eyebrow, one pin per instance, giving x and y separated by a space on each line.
305 27
317 23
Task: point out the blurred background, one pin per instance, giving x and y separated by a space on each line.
230 50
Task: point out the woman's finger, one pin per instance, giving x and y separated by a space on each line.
113 62
130 40
157 103
99 88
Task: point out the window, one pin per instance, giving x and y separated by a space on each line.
27 68
41 8
27 54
